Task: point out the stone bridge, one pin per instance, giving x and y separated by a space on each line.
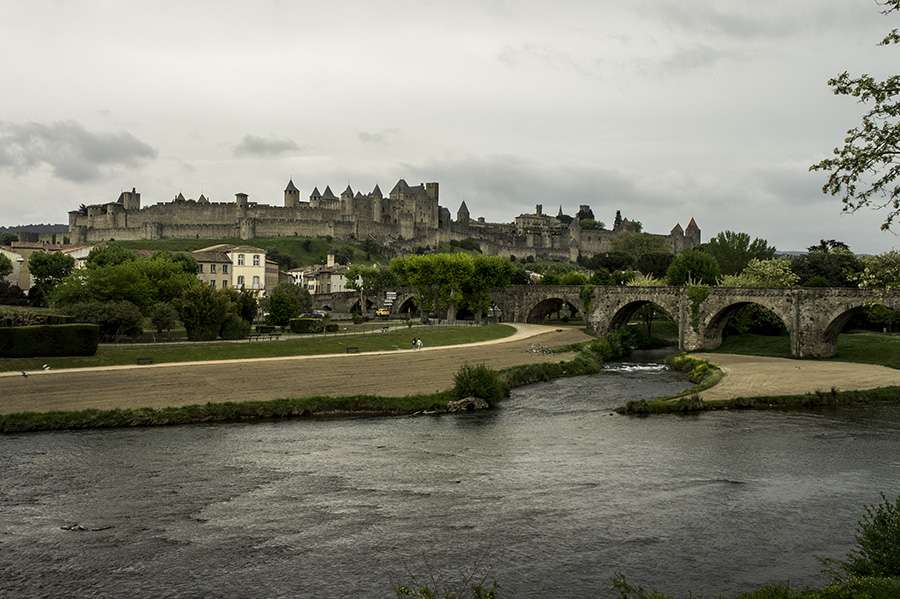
812 316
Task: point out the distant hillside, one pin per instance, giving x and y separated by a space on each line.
39 229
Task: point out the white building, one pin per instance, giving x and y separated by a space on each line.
243 267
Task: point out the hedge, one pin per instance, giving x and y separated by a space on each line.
49 340
307 325
332 327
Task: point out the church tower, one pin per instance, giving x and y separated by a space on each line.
291 195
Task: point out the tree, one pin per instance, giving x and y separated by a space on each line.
573 278
763 273
864 170
116 319
285 262
186 261
693 266
109 254
828 245
636 244
438 279
6 266
881 272
610 261
8 238
834 268
734 251
164 317
12 295
488 272
203 310
655 264
287 301
48 269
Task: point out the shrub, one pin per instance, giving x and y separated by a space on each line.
164 317
479 381
307 325
12 295
234 327
49 340
878 542
203 310
265 328
287 301
332 327
115 319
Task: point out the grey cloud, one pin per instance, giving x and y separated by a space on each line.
377 137
73 152
742 20
687 59
265 147
544 56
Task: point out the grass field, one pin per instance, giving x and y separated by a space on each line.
865 348
183 352
305 250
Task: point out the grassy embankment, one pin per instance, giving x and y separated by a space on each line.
861 347
588 361
304 250
111 355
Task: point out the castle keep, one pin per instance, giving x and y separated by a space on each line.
407 218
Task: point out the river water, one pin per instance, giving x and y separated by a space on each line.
551 495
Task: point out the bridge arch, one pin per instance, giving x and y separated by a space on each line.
355 308
407 307
562 307
718 318
825 344
624 313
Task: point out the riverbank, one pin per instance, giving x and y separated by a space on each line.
289 408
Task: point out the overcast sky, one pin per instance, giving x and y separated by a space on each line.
665 109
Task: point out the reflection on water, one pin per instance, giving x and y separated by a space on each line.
552 494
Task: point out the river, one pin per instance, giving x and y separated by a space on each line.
551 495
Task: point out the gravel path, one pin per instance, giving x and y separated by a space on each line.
753 376
392 373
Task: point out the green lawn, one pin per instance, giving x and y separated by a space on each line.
305 250
183 352
866 348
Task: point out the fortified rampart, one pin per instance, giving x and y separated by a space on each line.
408 217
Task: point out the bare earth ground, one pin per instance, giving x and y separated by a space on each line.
394 373
753 376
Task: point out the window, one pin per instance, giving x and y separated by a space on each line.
224 284
255 260
240 281
212 283
212 268
256 282
240 259
224 269
200 268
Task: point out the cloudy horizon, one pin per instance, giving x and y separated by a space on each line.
665 109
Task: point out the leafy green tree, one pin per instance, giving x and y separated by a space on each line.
489 272
109 254
763 273
829 245
186 261
287 301
8 238
573 278
203 310
832 268
881 271
164 317
285 262
864 170
6 266
371 281
734 251
12 295
48 269
877 551
437 279
694 266
636 244
610 261
116 319
246 303
655 264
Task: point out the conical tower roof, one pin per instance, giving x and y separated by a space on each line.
328 195
291 186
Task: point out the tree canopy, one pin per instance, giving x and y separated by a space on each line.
6 265
865 169
734 251
287 301
693 266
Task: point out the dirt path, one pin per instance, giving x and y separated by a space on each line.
752 376
381 373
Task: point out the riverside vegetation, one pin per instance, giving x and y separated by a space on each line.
870 571
472 380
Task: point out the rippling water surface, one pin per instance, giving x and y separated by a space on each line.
551 494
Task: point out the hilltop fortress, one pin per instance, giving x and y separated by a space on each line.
407 218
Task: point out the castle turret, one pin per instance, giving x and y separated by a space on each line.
130 200
692 232
617 224
202 199
462 215
291 195
677 231
347 194
329 195
376 193
241 199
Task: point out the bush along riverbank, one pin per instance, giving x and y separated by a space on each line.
704 375
472 381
